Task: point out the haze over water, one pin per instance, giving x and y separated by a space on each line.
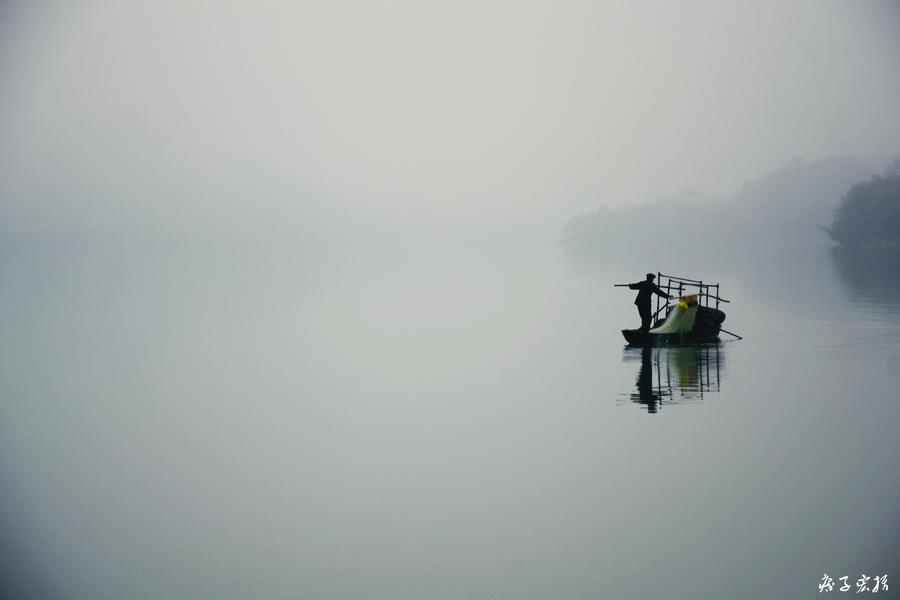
315 299
441 424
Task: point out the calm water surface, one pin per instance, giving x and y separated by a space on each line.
273 424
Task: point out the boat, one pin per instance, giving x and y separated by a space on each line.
692 320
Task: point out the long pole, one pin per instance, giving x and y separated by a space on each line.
729 333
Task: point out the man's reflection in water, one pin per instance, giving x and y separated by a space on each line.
646 394
675 374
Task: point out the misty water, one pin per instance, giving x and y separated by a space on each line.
227 420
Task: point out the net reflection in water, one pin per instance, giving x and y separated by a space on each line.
674 374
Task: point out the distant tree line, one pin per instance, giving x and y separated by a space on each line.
869 213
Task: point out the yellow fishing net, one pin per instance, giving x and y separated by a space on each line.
681 317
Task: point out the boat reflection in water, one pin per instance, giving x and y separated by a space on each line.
675 374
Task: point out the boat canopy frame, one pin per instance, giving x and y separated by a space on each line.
681 285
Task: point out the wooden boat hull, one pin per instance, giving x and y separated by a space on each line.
706 329
636 337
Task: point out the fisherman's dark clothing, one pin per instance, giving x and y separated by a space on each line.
644 310
646 289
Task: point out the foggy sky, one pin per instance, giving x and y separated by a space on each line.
221 423
463 111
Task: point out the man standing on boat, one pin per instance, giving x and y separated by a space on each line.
646 289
